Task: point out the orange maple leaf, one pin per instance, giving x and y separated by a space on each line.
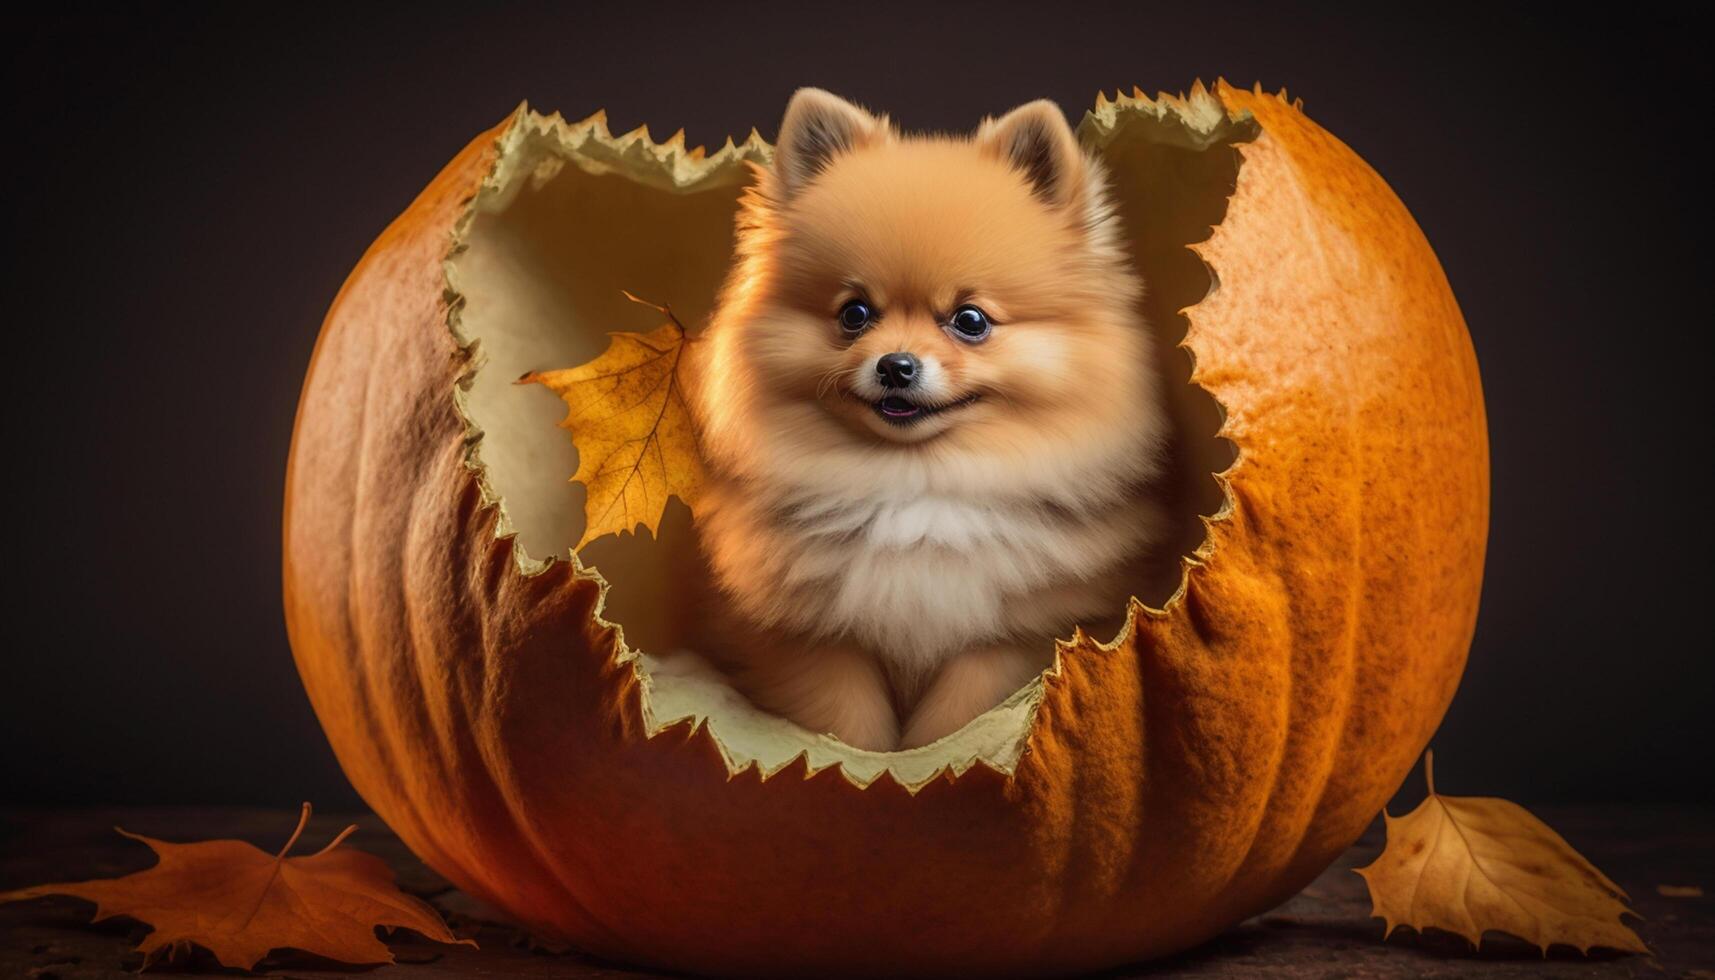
239 902
636 441
1470 864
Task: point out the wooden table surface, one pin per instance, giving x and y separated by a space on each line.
1324 932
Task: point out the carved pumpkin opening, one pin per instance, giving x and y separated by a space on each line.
570 216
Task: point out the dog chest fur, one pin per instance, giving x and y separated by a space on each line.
917 578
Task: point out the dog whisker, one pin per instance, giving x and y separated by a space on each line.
827 380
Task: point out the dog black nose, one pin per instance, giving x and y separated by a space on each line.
896 370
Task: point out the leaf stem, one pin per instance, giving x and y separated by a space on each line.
337 841
303 821
665 310
1429 769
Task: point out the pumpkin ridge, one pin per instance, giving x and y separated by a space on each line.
356 601
1329 734
496 771
1247 865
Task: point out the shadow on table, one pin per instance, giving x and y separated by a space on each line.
1319 944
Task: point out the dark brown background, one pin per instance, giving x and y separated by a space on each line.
185 192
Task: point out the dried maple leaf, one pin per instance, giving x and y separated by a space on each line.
628 418
1471 864
239 902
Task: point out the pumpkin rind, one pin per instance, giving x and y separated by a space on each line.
1200 769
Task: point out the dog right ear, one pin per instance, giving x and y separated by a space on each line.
819 126
1035 140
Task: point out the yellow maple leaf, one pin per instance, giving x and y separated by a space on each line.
239 902
1471 864
637 445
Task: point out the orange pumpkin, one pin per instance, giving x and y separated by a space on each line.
1138 798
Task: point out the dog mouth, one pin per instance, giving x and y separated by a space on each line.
897 410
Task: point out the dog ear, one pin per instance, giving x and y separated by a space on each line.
1035 139
820 125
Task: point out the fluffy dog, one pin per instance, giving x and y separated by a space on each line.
932 417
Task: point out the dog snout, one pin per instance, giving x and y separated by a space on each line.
896 370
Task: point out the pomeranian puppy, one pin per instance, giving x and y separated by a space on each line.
929 406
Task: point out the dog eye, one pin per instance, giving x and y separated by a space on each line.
970 323
855 315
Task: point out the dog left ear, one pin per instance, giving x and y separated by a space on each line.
1035 139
